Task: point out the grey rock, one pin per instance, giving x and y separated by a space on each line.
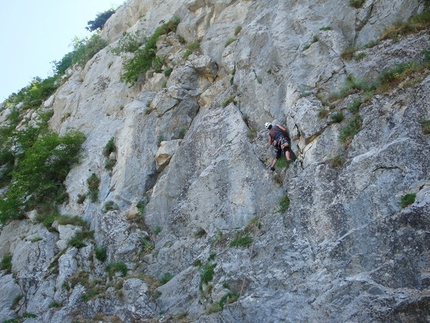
165 152
10 291
190 177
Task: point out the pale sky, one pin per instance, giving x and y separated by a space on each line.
34 33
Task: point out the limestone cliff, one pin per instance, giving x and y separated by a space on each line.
207 233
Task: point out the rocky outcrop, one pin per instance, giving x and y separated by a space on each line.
189 223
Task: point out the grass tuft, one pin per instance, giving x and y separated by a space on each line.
206 274
165 278
336 162
357 3
241 240
322 113
110 147
93 187
284 203
425 124
412 25
100 253
407 199
347 133
355 106
6 263
337 117
116 267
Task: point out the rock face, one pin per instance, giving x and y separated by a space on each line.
206 232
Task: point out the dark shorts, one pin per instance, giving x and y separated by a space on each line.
278 150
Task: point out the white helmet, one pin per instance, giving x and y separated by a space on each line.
267 125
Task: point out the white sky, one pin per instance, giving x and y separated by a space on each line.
34 33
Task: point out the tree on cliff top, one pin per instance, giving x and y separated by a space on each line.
100 20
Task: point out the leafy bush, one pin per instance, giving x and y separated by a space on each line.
40 172
168 71
128 43
33 95
83 50
144 56
100 20
60 67
47 214
407 199
110 147
182 133
86 48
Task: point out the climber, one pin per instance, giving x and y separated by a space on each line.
278 136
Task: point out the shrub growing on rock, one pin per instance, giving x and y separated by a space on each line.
407 199
40 172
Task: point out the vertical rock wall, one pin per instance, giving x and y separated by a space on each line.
190 174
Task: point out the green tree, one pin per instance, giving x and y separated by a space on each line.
100 20
86 48
61 67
